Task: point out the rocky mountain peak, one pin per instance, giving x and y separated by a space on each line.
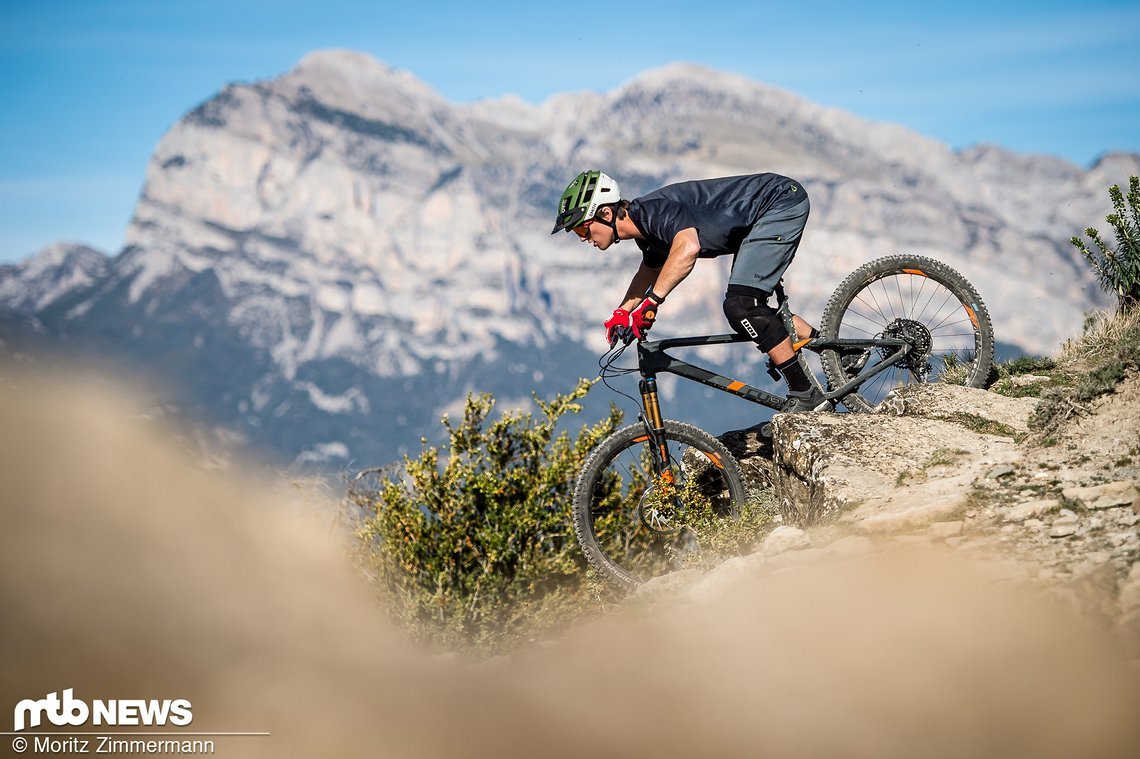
681 76
38 281
346 222
357 83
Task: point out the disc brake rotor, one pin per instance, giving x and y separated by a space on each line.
659 511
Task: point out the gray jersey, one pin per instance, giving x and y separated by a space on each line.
721 210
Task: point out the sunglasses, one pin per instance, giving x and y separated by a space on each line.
583 230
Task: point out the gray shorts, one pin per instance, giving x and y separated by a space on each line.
770 246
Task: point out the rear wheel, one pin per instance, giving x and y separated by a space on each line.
916 299
635 522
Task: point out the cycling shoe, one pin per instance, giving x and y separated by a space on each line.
806 400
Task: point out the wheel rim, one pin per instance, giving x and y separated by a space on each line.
646 524
942 330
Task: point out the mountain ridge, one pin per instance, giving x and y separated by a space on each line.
342 228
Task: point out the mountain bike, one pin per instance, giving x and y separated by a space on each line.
644 489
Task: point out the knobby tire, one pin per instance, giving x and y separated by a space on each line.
917 297
615 490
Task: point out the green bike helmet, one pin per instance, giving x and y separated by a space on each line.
582 197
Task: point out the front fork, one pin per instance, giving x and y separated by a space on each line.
651 416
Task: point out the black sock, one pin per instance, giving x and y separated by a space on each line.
794 375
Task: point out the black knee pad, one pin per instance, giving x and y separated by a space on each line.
753 318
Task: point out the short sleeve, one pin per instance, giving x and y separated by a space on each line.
660 220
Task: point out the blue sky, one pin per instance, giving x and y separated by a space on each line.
88 88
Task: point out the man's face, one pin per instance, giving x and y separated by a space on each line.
597 231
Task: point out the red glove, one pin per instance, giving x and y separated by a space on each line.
642 317
616 324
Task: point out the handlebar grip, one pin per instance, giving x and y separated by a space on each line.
624 334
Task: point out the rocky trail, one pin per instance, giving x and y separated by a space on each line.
958 469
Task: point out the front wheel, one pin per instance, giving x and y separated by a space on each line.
916 299
636 517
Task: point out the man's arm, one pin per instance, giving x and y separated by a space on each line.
683 254
642 281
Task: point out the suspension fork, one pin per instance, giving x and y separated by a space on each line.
654 422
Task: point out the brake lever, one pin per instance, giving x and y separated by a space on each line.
624 334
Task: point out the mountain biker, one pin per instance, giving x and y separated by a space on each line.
756 218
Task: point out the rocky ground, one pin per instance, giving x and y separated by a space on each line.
958 468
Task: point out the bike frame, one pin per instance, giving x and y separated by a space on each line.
652 360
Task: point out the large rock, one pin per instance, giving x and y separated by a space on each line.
1107 496
957 467
890 471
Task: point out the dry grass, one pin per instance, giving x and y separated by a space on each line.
1086 367
1103 335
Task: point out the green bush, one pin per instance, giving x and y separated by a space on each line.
1118 271
476 548
1026 365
